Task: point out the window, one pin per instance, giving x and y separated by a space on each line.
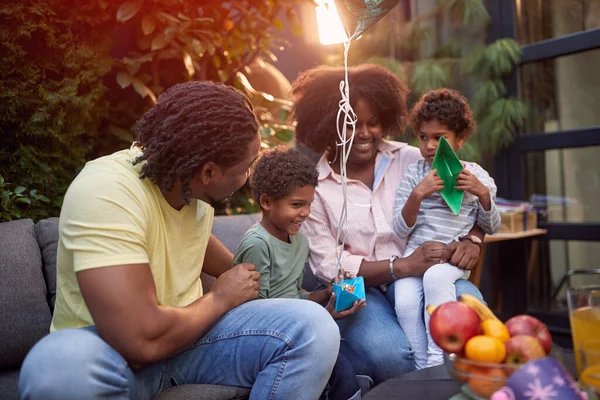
563 93
544 19
564 184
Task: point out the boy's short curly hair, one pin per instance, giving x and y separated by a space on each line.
447 106
280 170
316 93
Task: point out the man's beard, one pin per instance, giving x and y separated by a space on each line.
214 203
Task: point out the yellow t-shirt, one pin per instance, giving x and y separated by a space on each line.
111 217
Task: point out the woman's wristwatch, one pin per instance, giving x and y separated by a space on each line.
475 239
392 259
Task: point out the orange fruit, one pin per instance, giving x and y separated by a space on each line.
485 349
496 329
461 369
485 381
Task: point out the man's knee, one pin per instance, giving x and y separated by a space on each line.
315 323
63 363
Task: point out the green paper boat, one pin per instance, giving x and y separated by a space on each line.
448 167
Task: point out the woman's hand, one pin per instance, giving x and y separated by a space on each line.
426 255
463 254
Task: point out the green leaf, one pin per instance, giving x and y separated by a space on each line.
168 18
128 10
148 24
285 135
159 42
142 89
19 190
123 79
283 114
25 200
266 132
428 75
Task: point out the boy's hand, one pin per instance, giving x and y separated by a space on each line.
429 185
330 307
468 182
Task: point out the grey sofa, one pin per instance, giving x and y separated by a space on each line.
28 291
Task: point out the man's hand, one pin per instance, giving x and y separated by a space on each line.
429 185
426 255
468 182
330 307
463 254
236 286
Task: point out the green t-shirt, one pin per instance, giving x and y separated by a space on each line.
280 264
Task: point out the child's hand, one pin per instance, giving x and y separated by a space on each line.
468 182
429 185
330 307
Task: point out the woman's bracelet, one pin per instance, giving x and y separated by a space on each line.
392 259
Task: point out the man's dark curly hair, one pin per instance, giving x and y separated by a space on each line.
191 124
279 171
447 106
317 96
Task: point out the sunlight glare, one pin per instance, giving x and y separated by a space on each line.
329 24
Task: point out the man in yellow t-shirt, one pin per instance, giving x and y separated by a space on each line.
135 232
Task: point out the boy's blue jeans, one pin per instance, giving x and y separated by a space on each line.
282 348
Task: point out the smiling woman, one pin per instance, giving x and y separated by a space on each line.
375 167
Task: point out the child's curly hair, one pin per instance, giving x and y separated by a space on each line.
317 95
447 106
280 170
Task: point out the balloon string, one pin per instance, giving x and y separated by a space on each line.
345 143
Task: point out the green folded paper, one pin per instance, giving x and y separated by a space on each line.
448 167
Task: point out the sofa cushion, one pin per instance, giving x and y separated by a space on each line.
8 385
46 231
24 312
230 229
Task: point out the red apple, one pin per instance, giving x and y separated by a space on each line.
522 348
452 324
529 326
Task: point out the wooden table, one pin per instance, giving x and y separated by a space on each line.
475 276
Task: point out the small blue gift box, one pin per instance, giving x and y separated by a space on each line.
353 290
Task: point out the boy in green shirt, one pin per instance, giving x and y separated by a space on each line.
283 183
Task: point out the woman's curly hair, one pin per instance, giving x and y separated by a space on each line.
279 171
447 106
317 95
191 124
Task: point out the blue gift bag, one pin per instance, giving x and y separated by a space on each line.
354 290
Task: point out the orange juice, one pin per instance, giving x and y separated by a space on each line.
590 378
585 329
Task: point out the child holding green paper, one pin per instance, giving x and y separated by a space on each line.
283 183
422 213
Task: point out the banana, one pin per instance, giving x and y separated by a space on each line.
430 309
481 309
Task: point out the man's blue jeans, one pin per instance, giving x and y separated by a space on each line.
282 348
374 333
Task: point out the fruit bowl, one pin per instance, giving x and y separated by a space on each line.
480 379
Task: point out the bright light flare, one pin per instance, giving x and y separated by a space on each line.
329 24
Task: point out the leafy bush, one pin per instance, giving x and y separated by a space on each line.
77 75
16 203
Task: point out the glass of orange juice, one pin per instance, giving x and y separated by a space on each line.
584 314
589 378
